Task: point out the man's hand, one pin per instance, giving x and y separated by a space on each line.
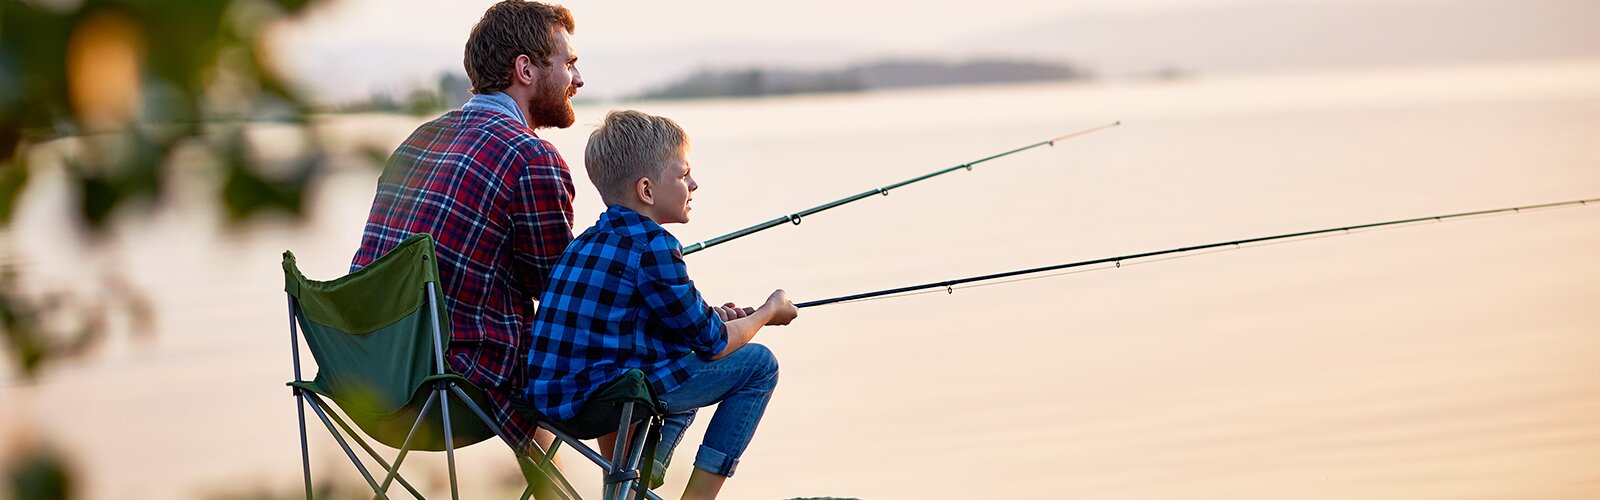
783 311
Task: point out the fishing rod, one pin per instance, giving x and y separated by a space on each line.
794 218
949 285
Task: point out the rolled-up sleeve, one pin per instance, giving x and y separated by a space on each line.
673 302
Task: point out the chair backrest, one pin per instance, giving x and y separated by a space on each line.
370 331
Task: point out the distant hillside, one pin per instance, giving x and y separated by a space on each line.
750 82
753 82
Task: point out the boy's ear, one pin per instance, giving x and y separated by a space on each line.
641 189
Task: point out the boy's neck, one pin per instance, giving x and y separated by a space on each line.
641 208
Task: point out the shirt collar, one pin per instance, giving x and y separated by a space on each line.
498 102
626 220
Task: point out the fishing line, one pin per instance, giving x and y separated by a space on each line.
796 217
950 286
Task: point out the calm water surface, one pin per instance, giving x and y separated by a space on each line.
1437 361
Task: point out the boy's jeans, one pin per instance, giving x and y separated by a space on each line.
742 382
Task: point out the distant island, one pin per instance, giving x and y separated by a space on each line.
755 82
452 88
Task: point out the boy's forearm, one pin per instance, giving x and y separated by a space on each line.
742 330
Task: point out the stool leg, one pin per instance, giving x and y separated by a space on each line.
631 464
619 454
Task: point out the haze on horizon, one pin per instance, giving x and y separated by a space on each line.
348 49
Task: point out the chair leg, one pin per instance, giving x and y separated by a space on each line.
565 488
305 451
443 386
405 448
547 466
347 451
299 395
547 470
368 448
577 445
449 440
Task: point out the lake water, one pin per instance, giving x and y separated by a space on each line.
1448 360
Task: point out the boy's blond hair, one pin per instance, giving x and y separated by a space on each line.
629 145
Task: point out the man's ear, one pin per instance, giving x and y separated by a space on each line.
642 188
524 71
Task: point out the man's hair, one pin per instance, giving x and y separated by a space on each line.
509 29
629 145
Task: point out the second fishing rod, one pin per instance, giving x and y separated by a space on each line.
796 217
1117 261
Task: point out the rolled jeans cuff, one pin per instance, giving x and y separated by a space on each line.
715 462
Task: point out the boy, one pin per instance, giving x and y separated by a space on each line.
620 297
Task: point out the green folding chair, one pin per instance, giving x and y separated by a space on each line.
377 338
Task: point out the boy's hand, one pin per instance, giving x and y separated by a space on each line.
783 311
729 312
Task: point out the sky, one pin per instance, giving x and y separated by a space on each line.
347 49
633 24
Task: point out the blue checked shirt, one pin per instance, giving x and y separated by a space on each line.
619 298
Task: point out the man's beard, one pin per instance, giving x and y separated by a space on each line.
551 109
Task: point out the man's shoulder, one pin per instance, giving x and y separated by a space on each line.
484 133
517 136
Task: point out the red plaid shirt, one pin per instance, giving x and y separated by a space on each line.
498 201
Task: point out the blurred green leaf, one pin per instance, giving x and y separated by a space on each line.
40 473
134 171
13 177
246 191
119 84
26 343
189 70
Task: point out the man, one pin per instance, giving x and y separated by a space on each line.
496 198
